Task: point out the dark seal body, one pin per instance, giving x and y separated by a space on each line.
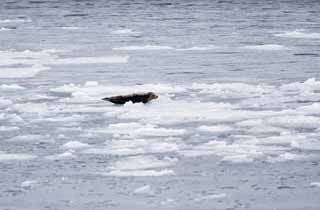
134 98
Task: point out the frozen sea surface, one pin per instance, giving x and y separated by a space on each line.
236 126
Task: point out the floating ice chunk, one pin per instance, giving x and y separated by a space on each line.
287 156
297 122
267 47
199 48
144 190
15 156
125 31
146 47
71 28
135 147
313 109
40 108
307 86
23 72
140 173
17 20
232 90
210 197
142 163
28 184
90 60
75 145
307 144
315 184
5 103
299 34
137 129
242 158
215 129
167 201
31 138
9 128
66 155
11 87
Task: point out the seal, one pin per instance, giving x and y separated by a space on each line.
134 98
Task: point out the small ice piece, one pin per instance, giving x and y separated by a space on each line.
140 173
299 34
145 47
11 87
66 155
75 145
8 128
15 156
210 197
28 184
315 184
267 47
215 129
125 31
146 189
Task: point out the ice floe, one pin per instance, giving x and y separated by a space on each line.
11 87
20 64
145 47
28 184
210 197
144 190
299 34
126 31
267 47
75 145
15 156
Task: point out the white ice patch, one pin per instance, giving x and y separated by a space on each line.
215 129
71 28
265 47
40 108
140 173
142 163
299 34
210 197
28 184
287 156
90 60
24 72
6 29
8 128
12 87
31 138
144 190
35 61
15 156
75 145
199 48
145 47
142 166
232 90
66 155
135 130
17 20
4 103
295 122
315 184
126 31
135 147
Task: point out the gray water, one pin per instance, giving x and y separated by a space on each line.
236 126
